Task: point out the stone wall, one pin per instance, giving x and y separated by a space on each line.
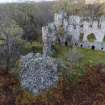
75 25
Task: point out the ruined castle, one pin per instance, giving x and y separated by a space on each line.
72 28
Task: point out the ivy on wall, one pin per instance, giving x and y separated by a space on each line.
81 36
104 39
61 31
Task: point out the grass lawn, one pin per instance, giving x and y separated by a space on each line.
28 47
90 58
87 89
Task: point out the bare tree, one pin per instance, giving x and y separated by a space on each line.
10 33
70 6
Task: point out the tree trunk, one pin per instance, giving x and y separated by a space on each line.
8 54
7 63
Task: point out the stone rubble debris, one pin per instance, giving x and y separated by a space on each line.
38 73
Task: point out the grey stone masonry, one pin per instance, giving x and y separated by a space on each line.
74 26
38 73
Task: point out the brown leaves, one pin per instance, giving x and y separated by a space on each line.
90 90
8 86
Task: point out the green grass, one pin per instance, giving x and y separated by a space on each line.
61 51
28 47
90 57
1 42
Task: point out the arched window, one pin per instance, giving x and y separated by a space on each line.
102 48
91 37
81 45
66 43
93 47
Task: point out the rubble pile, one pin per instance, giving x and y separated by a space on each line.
38 73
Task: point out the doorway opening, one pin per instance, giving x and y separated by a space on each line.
66 43
93 47
81 45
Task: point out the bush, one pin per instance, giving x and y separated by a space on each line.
29 47
74 56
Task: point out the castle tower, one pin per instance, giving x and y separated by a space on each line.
47 41
59 18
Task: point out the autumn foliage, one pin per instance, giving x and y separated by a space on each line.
89 90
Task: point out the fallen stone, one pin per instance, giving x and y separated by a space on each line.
38 73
